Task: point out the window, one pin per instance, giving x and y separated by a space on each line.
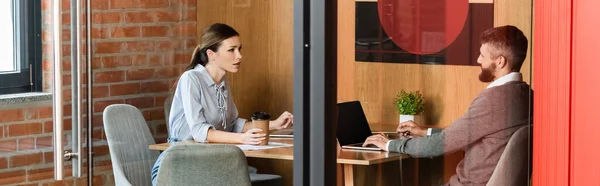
20 46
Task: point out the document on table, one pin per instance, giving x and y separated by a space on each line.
271 145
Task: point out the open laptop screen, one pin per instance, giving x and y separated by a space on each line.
352 123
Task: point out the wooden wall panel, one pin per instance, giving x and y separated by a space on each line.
517 13
264 81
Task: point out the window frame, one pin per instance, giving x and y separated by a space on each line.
28 45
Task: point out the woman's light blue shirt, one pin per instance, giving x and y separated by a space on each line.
199 104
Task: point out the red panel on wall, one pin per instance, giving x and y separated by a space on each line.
585 126
552 57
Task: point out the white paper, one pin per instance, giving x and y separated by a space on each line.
271 145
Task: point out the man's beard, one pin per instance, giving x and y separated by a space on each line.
487 74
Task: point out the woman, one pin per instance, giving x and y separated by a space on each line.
202 108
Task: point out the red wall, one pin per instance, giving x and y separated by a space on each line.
566 92
585 125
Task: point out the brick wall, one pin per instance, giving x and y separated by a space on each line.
139 49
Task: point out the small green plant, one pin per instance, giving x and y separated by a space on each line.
409 103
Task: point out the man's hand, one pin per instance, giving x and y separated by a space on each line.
409 129
284 121
378 140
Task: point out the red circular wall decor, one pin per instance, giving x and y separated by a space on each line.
423 26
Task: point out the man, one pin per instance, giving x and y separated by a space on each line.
494 115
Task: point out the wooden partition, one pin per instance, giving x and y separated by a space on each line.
264 81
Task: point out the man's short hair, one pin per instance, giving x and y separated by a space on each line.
508 41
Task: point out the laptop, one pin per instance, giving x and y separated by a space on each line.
353 128
282 133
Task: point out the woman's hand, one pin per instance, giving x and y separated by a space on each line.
252 137
284 121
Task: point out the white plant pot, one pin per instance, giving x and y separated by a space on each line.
404 118
417 119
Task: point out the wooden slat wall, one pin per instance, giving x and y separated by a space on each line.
264 81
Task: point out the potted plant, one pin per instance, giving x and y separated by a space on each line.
409 105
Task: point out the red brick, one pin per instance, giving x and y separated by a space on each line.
48 157
45 112
184 3
66 51
140 103
167 72
100 150
125 32
155 31
99 106
184 30
1 132
140 74
99 5
25 159
8 146
154 87
165 45
65 5
100 91
190 44
154 4
11 115
99 180
26 144
99 33
41 174
66 79
66 35
97 121
109 77
140 60
156 114
46 36
46 4
159 101
46 142
108 47
155 60
106 17
190 15
31 113
96 63
167 16
66 64
24 129
66 18
3 163
140 46
115 4
116 61
138 17
102 165
65 182
124 89
98 135
161 129
12 177
182 58
47 65
67 110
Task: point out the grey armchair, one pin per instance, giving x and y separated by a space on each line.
211 165
128 139
513 166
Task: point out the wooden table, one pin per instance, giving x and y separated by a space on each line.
346 157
